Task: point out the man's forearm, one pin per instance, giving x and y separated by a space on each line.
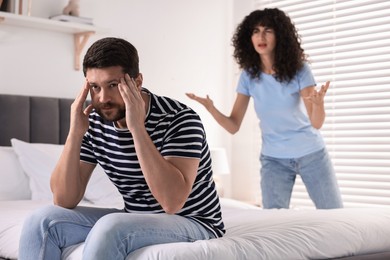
65 182
167 183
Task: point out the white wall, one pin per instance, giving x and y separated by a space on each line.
244 155
184 46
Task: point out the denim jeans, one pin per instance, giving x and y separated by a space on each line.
317 173
108 233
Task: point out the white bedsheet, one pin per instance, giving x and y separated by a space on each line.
252 233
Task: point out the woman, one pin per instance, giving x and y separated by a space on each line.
291 111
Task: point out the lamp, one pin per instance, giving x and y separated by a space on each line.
220 166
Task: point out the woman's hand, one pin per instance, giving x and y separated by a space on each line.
317 97
314 102
231 123
206 102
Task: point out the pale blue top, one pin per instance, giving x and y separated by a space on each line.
284 122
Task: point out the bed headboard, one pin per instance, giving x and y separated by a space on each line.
34 119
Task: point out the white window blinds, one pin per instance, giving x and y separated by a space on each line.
348 43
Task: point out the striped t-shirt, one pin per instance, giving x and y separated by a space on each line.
176 130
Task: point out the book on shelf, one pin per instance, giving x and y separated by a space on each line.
72 19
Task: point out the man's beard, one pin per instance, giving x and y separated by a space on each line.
115 112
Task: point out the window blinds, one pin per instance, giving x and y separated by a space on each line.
348 43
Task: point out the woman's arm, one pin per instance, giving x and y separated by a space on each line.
314 102
231 123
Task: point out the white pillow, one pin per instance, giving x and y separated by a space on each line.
102 191
38 161
14 183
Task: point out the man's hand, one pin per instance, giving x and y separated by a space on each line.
135 105
78 116
70 177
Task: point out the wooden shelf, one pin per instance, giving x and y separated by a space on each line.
81 32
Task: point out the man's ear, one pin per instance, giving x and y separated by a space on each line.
139 79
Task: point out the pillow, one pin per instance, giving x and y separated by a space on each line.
14 183
100 190
38 161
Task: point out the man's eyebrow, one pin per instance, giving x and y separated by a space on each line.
113 80
110 81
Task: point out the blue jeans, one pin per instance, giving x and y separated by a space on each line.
108 233
317 173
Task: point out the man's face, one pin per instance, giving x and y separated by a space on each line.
105 95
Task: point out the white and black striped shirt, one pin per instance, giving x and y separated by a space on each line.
176 130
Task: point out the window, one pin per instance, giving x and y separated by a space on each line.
348 43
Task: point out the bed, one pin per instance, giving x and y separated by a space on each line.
32 133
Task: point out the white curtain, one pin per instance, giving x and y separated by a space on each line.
348 43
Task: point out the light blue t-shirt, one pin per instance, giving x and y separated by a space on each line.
284 122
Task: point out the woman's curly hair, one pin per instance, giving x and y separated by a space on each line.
289 55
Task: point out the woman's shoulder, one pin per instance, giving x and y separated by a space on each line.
305 66
245 73
247 76
305 69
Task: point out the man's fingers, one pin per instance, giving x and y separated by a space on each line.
88 109
79 101
124 87
131 86
130 82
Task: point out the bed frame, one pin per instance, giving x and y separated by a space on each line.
34 119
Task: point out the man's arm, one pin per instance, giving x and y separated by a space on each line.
170 179
172 188
70 176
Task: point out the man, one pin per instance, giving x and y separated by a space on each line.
152 148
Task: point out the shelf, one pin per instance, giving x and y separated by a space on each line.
45 24
81 32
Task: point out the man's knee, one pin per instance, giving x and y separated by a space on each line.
44 216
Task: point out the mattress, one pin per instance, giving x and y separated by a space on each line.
252 233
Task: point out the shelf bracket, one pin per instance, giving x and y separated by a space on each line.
80 39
